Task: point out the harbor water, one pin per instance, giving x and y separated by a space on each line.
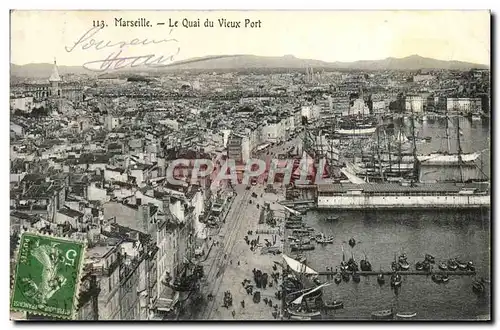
381 235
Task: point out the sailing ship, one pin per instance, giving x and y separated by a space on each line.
410 189
459 166
356 126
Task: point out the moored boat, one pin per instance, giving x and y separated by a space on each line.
470 266
352 265
380 279
439 278
403 262
338 278
443 266
333 218
396 280
322 239
352 242
461 265
365 265
406 315
356 277
419 265
452 264
325 241
478 286
426 266
345 276
429 258
303 314
383 314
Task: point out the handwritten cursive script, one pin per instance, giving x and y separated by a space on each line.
116 60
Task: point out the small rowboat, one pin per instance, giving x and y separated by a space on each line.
438 278
443 266
328 240
396 280
352 242
429 258
406 315
478 286
303 313
403 264
452 265
461 265
380 279
419 265
383 315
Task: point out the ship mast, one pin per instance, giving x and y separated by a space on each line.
378 154
399 151
415 159
389 149
459 150
447 133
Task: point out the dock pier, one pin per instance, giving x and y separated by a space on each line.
410 272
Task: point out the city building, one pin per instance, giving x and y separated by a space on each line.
463 104
414 104
238 148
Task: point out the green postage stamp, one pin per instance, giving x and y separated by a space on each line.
47 275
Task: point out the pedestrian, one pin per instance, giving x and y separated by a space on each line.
243 303
230 262
233 313
238 262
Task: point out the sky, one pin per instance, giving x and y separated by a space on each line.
41 36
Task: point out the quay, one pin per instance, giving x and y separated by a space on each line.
387 196
412 272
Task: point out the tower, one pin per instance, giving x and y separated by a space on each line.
54 80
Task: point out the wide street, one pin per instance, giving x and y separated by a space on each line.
223 273
232 261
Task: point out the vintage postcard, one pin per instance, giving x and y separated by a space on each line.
250 165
